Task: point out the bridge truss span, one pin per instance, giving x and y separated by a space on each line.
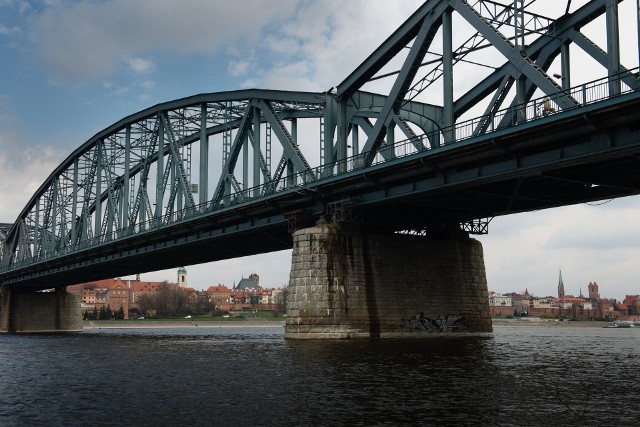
406 142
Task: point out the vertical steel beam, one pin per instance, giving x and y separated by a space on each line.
290 174
204 156
177 201
54 213
355 142
329 129
36 231
565 66
245 162
447 76
521 95
294 130
391 139
98 203
256 152
125 184
160 169
74 204
518 17
342 136
613 46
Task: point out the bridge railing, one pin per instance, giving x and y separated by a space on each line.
535 109
544 106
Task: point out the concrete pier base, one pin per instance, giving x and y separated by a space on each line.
39 312
346 283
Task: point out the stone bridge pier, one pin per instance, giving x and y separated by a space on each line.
349 283
35 312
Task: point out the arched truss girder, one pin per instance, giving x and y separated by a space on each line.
525 66
111 183
124 180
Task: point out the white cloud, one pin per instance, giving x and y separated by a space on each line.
140 65
86 40
327 40
20 5
23 168
9 31
239 67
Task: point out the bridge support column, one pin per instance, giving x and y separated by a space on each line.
39 312
346 283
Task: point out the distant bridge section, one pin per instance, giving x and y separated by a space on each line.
223 175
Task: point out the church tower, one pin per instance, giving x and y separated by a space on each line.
560 287
182 277
593 290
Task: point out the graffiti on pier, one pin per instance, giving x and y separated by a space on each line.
443 324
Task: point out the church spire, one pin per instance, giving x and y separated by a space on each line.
560 286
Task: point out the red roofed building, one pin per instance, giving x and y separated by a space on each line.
219 297
112 293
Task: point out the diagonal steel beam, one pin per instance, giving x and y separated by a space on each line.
389 48
291 150
227 170
421 44
547 44
522 63
594 51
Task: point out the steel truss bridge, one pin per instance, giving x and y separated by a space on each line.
222 175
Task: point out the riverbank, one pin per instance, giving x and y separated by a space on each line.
549 323
187 323
265 323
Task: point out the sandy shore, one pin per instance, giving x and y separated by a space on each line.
160 324
263 323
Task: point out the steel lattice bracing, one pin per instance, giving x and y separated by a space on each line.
199 158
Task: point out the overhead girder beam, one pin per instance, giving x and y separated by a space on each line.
368 104
367 101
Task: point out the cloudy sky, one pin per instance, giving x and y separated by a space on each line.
70 69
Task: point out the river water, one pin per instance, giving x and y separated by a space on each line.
253 376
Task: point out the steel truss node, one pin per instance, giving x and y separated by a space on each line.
476 227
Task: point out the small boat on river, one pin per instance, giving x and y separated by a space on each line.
619 325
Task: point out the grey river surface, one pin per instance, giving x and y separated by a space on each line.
253 376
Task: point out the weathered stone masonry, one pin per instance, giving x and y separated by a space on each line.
346 283
39 312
